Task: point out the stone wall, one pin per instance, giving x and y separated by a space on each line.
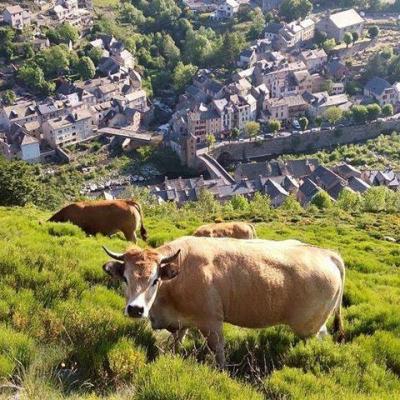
306 143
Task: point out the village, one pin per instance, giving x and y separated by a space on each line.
299 78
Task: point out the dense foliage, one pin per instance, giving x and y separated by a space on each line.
63 334
384 151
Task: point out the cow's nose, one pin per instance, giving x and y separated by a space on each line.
135 311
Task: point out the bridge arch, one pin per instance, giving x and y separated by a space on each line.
225 158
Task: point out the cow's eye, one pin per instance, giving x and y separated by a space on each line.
154 282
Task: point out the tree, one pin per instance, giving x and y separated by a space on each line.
274 125
239 202
210 140
54 61
131 15
327 85
28 50
95 55
66 33
169 50
18 182
333 115
387 110
348 200
373 31
329 45
260 205
320 37
322 200
355 36
32 75
295 9
257 23
235 133
8 98
232 45
252 129
318 121
373 110
182 75
303 121
359 114
86 68
348 38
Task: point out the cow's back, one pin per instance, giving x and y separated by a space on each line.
237 230
106 216
254 283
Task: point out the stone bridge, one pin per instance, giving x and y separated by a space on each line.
136 138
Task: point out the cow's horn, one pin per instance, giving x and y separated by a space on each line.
116 256
169 259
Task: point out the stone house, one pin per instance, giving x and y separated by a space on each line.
16 17
336 25
69 129
381 91
314 59
19 113
286 108
295 33
227 9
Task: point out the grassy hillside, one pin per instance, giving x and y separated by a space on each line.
63 334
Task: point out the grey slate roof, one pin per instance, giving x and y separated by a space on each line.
377 85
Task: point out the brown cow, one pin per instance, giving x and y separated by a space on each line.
105 216
202 282
238 230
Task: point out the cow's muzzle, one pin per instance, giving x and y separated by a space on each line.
135 311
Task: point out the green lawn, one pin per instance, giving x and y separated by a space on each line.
63 333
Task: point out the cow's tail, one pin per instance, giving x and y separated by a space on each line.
338 328
143 231
253 229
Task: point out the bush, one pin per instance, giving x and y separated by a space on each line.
16 350
349 200
173 378
322 200
125 360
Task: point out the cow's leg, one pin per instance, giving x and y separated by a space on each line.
130 235
323 332
178 336
215 341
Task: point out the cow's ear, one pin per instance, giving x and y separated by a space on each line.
167 270
115 269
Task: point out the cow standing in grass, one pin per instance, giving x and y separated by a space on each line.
237 230
105 216
204 282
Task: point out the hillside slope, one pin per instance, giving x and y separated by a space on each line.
63 333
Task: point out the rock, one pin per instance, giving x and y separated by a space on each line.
390 239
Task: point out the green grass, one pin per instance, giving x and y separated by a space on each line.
63 334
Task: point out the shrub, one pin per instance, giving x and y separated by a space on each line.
16 349
173 378
348 200
125 360
322 200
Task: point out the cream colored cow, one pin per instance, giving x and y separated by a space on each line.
238 230
203 282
